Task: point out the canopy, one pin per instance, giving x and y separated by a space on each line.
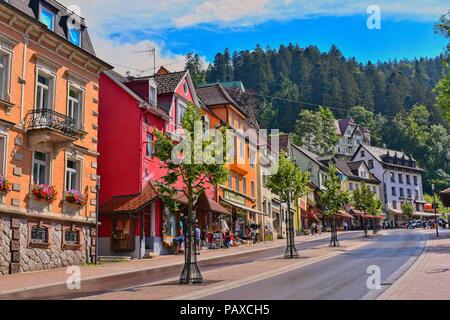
345 215
245 208
425 214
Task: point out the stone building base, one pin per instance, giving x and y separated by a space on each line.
17 254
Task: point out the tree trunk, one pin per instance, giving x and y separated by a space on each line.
374 226
191 273
366 226
291 251
334 242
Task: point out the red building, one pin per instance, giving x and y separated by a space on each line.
133 218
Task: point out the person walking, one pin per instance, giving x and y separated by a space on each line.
198 234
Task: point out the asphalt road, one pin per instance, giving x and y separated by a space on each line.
108 284
341 277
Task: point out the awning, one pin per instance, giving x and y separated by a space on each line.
206 204
356 212
345 215
425 214
245 208
395 211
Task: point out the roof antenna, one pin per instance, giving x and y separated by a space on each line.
151 52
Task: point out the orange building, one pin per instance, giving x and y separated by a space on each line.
240 194
48 137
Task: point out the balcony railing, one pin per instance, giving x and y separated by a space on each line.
52 120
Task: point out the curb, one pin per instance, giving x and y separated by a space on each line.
420 261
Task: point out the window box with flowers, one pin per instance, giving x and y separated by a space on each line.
5 185
74 201
44 192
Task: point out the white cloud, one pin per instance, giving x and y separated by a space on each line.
107 17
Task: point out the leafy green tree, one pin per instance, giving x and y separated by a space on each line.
374 209
363 200
443 88
193 161
290 184
408 211
268 115
316 131
195 67
333 199
368 119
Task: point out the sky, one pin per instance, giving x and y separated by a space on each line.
121 30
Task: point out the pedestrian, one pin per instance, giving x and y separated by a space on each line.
320 228
313 228
198 234
345 226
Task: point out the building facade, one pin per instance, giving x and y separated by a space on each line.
48 137
350 136
400 176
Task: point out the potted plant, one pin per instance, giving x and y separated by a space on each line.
75 197
5 185
44 192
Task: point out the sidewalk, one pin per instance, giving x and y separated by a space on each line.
40 279
429 277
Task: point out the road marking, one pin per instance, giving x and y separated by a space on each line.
220 287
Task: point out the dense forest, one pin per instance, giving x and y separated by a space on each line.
395 99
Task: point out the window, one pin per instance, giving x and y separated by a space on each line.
408 179
47 17
3 145
148 149
71 236
374 189
402 194
72 176
394 204
265 205
237 183
350 150
152 94
232 118
181 109
44 91
75 36
264 178
392 177
39 234
394 191
357 185
239 122
400 178
4 74
370 164
252 158
242 148
205 120
363 153
269 209
244 185
350 186
75 106
417 194
40 168
415 180
409 193
185 89
252 187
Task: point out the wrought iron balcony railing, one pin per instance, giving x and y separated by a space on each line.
52 120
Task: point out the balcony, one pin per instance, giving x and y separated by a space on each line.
50 130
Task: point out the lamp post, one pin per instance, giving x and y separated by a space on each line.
435 205
97 192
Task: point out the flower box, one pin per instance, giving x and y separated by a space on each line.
75 198
5 185
44 192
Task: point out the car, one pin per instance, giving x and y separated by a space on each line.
413 224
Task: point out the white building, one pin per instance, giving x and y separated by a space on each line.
400 176
350 135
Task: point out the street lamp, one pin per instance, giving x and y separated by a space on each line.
435 206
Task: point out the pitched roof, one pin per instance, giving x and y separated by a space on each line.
168 83
350 169
31 8
215 94
380 153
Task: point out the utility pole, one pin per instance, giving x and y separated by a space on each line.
435 207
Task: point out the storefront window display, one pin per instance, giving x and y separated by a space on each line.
122 234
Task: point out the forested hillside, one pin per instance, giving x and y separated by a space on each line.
283 82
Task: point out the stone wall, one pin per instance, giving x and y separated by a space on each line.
21 257
5 244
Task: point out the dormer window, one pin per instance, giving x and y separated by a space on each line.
47 17
152 93
75 36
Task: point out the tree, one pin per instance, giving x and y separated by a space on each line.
374 210
443 88
195 67
363 199
317 131
369 120
290 184
408 211
333 199
193 162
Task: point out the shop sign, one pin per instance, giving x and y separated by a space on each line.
233 196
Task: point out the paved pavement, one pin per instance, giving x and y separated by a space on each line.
113 276
429 277
341 277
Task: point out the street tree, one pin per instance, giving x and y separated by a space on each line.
408 211
333 199
290 184
374 210
362 201
190 163
443 88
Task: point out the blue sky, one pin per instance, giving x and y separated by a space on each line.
176 27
